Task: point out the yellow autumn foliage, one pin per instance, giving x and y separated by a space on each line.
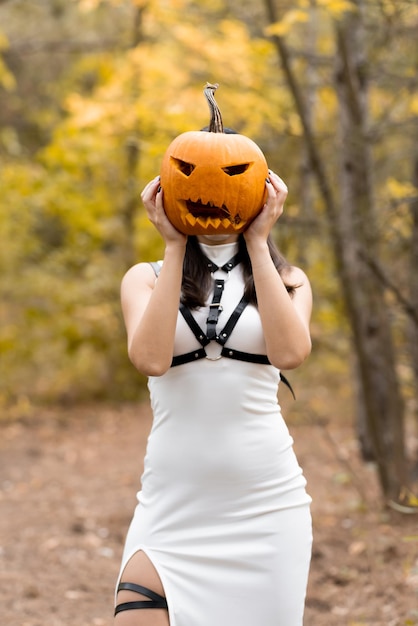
84 128
336 8
287 23
7 80
401 190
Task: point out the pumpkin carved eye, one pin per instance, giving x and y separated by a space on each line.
235 170
184 167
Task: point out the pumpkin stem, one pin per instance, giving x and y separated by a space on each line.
216 124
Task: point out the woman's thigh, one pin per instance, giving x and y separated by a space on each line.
140 571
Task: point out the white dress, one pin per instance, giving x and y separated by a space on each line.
223 513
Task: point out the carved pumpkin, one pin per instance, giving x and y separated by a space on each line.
213 182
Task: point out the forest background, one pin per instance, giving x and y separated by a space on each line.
91 94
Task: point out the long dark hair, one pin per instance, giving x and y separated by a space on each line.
197 279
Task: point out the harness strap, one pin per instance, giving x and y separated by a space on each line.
245 356
215 308
226 267
194 326
156 601
152 595
225 332
222 338
181 359
229 353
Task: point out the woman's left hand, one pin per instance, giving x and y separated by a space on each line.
261 226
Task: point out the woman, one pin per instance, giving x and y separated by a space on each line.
221 535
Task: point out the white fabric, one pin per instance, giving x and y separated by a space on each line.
223 513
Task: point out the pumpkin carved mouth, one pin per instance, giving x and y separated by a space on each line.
208 209
209 213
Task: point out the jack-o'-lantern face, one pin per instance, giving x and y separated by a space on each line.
213 182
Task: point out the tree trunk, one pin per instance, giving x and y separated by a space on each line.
133 154
353 230
306 178
413 278
366 304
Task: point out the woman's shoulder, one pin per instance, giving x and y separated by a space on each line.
295 275
142 273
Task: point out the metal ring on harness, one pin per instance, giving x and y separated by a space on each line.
213 358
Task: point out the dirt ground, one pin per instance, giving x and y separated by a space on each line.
68 479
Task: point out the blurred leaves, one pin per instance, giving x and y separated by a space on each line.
286 24
7 80
91 94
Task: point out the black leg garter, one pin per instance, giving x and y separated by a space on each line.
155 600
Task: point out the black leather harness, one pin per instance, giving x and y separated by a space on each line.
222 337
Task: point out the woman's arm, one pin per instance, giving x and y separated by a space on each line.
285 319
150 307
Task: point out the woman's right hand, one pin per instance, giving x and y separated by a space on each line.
152 198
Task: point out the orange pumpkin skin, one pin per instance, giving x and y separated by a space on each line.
213 183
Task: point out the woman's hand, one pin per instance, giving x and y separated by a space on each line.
260 228
152 198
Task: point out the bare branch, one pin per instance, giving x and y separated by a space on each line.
389 284
63 46
314 156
